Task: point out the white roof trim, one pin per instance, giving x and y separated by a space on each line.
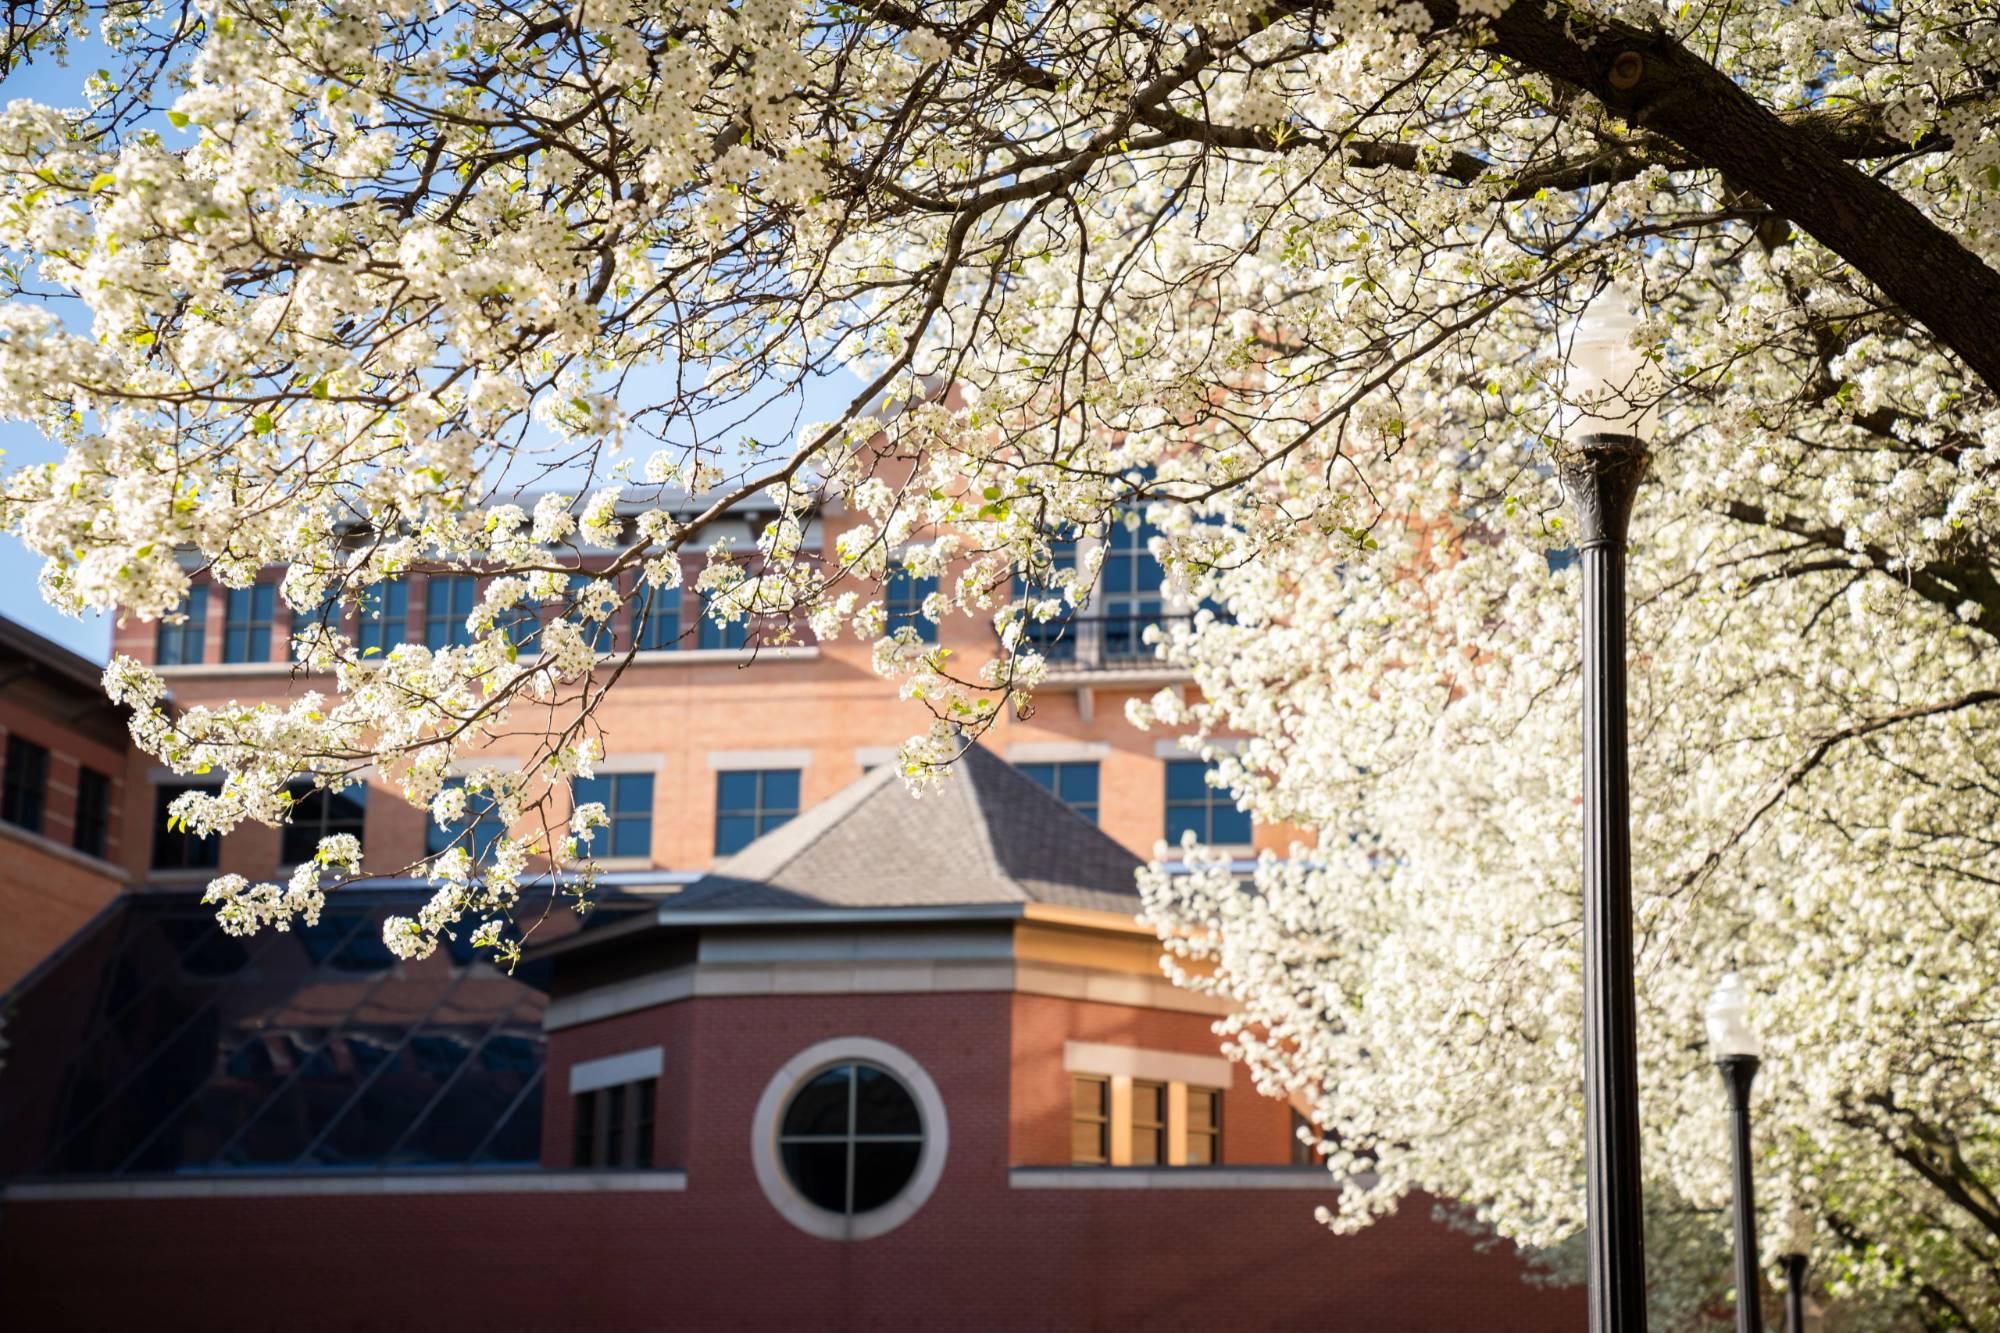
611 1070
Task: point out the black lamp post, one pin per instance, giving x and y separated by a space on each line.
1737 1049
1795 1291
1600 471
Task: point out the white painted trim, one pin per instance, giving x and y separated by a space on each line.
882 977
640 762
1170 1178
1094 1057
306 1186
798 652
777 1187
220 670
1057 752
725 761
873 756
611 1070
50 847
622 997
1115 678
161 776
498 763
1173 749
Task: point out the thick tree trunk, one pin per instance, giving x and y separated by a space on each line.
1674 93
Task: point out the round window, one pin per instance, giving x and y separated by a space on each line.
851 1138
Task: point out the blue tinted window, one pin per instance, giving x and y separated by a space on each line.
735 634
384 619
448 600
1131 584
628 800
246 624
656 617
750 803
486 826
522 624
1074 783
218 1054
1209 812
327 614
903 603
596 633
1054 639
181 644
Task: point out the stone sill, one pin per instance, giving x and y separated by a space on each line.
50 847
804 652
305 1185
1170 1178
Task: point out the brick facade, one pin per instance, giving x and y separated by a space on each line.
980 1254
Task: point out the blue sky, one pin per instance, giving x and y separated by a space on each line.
21 445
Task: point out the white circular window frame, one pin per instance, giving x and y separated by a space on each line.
800 1211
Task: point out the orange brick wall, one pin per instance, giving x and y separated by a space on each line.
48 891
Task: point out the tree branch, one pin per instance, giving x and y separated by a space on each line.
1654 82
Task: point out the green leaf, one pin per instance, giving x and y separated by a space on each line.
101 180
261 424
177 119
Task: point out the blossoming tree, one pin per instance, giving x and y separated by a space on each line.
331 285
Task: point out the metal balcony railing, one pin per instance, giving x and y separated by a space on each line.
1114 642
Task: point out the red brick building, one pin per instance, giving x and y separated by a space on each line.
827 1055
900 1063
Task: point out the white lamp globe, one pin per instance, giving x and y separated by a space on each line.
1728 1019
1609 388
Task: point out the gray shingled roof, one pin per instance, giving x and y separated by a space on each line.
987 834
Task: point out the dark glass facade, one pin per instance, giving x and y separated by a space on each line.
188 1050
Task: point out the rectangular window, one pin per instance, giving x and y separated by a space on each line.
903 603
246 624
327 613
656 619
750 803
384 620
1305 1139
1090 1119
181 645
1149 1123
93 812
1054 639
483 820
596 633
735 634
628 799
1132 582
318 813
522 624
448 600
614 1126
176 848
1204 1126
24 788
1075 784
1209 812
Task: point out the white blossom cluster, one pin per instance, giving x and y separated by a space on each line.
362 291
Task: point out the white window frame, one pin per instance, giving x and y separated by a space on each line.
794 1207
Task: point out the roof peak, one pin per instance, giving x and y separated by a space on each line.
987 834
